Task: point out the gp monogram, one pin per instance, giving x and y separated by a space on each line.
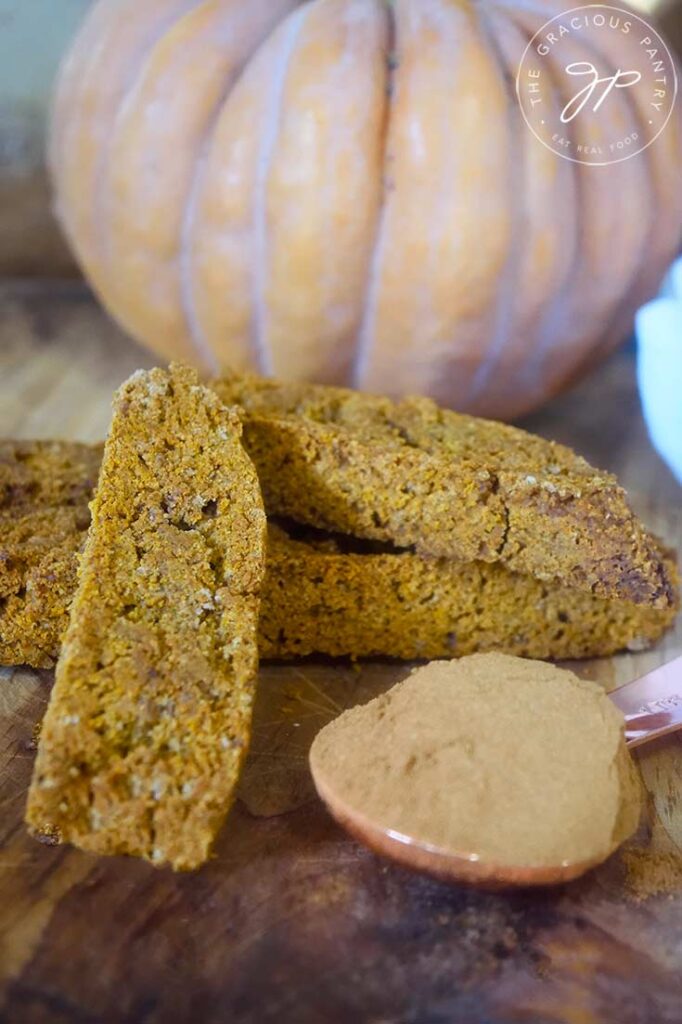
591 97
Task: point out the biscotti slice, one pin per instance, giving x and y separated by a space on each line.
149 717
321 599
450 485
47 474
317 589
45 487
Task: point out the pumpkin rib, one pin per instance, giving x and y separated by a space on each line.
556 313
446 221
549 239
67 83
199 339
294 27
597 282
186 77
326 150
187 228
364 339
145 28
191 204
635 292
136 101
636 181
220 265
69 94
139 307
663 241
510 277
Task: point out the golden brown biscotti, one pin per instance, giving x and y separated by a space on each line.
149 717
449 485
47 474
316 594
320 599
45 487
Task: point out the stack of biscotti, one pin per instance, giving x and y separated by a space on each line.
449 534
426 534
396 529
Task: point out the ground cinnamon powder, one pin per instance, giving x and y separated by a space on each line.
516 760
651 872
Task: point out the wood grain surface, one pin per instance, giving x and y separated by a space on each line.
292 921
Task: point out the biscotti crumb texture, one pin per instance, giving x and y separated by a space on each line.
148 722
321 599
452 486
45 487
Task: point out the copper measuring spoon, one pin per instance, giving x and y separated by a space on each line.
652 706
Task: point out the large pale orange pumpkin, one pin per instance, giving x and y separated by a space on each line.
345 191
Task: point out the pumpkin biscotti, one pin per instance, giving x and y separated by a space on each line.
321 599
149 717
317 590
450 485
316 594
45 487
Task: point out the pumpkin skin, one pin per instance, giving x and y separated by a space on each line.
345 191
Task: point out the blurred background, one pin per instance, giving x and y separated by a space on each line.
33 35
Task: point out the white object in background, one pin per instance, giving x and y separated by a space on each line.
659 368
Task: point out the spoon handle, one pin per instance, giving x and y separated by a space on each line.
652 705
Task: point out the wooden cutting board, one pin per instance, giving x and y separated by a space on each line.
292 920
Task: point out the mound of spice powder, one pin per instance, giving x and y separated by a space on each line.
513 761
